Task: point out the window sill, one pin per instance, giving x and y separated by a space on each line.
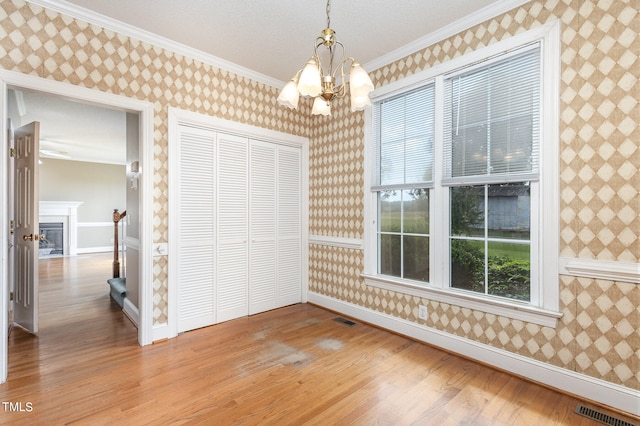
509 309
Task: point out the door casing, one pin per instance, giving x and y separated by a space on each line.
189 118
15 80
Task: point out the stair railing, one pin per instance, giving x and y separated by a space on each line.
117 217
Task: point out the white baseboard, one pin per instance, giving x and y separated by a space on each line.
159 332
583 386
131 311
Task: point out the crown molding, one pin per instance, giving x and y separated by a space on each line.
81 13
486 13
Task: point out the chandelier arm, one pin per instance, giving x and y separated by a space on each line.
341 90
342 60
316 56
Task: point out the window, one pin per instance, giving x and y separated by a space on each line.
458 195
491 138
405 125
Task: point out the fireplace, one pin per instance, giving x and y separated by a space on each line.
51 239
59 224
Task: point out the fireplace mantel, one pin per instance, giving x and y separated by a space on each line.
51 211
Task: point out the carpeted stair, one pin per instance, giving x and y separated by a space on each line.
118 289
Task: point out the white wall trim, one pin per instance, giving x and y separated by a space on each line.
469 21
95 224
4 236
581 385
179 117
601 269
131 311
506 308
120 27
196 119
13 80
160 332
323 240
103 249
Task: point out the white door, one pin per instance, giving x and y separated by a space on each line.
250 261
196 233
262 226
232 231
26 226
289 225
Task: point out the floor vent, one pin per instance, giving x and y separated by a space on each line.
345 321
601 417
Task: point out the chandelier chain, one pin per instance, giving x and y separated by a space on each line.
328 12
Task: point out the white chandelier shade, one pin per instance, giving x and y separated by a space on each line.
321 106
312 82
289 95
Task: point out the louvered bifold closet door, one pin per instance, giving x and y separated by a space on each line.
289 250
262 225
233 228
196 229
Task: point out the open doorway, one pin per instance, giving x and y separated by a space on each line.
82 175
143 111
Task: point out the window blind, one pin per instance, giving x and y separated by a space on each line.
404 133
492 120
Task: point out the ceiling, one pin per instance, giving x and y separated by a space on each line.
71 130
276 37
269 39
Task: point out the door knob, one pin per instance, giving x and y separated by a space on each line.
28 237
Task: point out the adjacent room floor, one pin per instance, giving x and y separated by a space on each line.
294 365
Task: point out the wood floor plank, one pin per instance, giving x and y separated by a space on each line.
290 366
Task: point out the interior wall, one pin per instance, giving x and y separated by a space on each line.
51 45
100 188
599 180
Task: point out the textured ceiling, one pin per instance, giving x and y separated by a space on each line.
276 37
269 39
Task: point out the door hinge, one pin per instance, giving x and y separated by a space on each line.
11 226
10 296
12 152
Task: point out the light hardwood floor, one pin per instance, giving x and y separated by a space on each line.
290 366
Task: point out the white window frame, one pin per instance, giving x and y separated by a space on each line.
544 306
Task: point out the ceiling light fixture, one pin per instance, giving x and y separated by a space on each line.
318 81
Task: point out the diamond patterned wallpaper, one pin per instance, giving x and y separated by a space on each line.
50 45
598 333
336 173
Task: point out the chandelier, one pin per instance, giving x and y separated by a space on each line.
318 81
